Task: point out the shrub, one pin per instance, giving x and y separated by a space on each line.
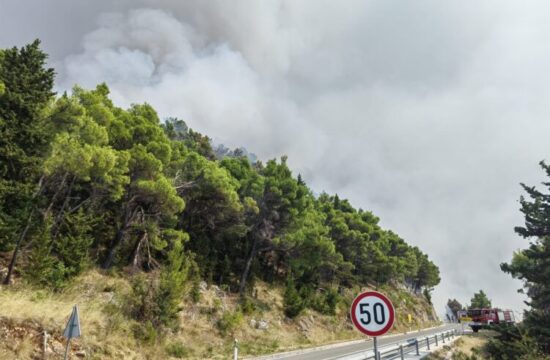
178 350
146 333
292 301
229 322
158 300
247 305
326 302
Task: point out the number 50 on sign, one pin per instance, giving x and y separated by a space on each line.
372 313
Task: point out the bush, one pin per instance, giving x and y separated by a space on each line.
229 322
326 302
146 333
42 268
178 350
157 300
247 305
513 342
292 301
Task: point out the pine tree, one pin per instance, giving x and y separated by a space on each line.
480 301
24 139
532 265
292 301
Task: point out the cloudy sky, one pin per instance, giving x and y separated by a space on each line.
428 113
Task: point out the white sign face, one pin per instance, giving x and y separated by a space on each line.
372 313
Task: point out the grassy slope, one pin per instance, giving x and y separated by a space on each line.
25 313
467 347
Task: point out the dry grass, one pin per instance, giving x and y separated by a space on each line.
107 333
467 347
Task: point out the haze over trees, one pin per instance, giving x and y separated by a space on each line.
455 306
85 183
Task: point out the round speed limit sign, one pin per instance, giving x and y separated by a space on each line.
372 313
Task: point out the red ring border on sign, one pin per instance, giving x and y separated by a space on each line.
388 304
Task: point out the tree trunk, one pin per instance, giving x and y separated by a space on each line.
7 280
135 256
59 217
55 195
128 217
111 255
248 265
23 235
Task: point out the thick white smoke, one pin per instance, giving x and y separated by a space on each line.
427 113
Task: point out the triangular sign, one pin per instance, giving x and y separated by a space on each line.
73 326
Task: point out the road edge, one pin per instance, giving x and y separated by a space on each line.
331 346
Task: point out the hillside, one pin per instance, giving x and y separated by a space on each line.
206 329
130 216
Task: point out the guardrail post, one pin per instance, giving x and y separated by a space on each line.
401 352
428 342
416 345
436 343
443 338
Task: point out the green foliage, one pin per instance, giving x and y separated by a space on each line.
157 301
513 342
84 182
325 302
178 350
292 301
26 90
532 264
171 286
42 267
229 322
146 332
480 301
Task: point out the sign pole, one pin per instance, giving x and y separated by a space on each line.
373 314
67 349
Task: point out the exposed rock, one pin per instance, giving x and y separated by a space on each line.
253 323
263 325
80 354
203 286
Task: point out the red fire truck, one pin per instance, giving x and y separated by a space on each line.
476 318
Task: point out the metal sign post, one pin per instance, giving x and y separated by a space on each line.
375 345
373 314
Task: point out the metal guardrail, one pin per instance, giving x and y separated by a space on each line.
414 345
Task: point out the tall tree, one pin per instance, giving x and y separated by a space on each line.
455 306
480 301
24 139
532 265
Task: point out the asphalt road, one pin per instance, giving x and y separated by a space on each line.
336 352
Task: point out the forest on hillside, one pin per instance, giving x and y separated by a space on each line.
84 183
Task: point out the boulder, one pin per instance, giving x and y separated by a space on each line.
263 325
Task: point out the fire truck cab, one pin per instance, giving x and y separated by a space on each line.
476 318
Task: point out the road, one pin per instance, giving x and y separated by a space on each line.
341 351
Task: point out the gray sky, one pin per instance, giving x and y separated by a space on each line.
428 113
